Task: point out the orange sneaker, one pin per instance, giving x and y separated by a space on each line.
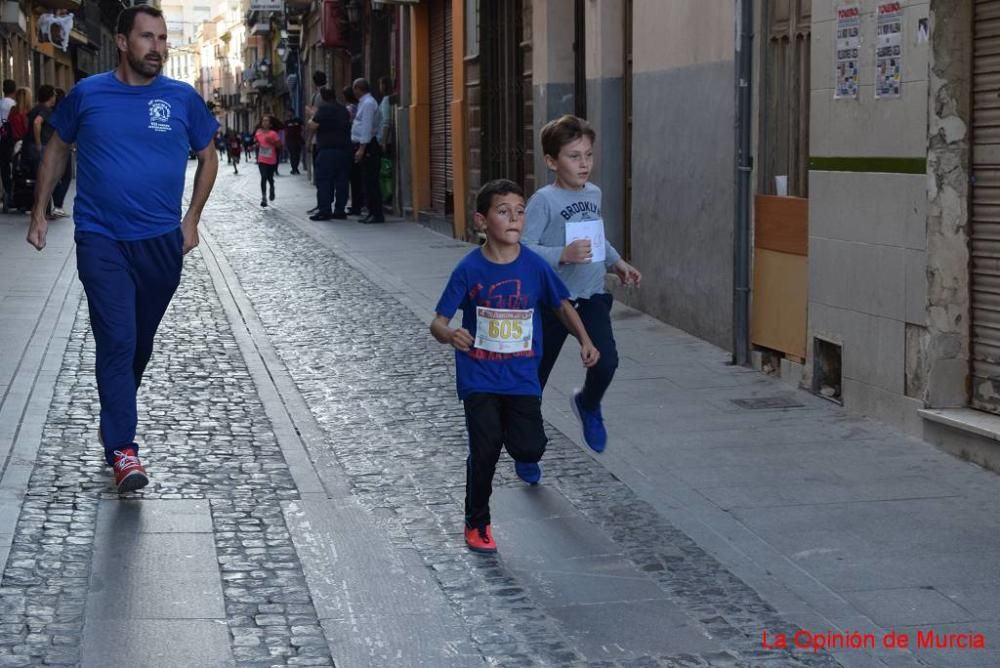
480 539
129 474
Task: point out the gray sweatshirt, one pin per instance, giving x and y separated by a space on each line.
546 215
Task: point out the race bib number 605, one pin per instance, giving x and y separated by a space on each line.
504 330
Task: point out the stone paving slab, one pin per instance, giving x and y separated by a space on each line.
159 643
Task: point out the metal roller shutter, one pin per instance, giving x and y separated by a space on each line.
986 208
442 175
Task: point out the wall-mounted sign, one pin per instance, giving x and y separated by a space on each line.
889 50
266 5
848 50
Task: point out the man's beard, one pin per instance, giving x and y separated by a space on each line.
142 66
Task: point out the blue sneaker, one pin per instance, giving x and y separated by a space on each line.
529 472
594 432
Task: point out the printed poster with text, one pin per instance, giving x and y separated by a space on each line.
848 49
889 50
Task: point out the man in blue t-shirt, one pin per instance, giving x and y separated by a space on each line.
501 289
133 129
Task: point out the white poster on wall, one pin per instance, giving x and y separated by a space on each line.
848 50
889 50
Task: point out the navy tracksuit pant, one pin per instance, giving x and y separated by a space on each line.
129 285
595 313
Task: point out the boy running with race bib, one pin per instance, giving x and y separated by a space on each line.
501 288
564 225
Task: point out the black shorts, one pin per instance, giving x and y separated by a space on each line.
496 421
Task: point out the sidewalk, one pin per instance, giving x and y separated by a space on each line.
838 522
35 289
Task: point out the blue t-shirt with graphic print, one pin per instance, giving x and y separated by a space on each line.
526 283
132 152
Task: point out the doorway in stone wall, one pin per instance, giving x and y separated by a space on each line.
781 208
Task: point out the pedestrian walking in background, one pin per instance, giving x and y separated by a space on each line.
357 187
248 145
331 126
502 289
368 152
268 144
39 129
220 144
7 139
22 171
133 129
564 225
234 145
293 142
59 194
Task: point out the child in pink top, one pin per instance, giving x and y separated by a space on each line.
268 144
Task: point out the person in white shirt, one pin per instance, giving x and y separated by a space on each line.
367 151
7 142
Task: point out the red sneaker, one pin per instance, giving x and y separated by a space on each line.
480 539
129 474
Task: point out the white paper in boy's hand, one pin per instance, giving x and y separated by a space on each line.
588 229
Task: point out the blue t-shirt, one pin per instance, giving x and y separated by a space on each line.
132 152
526 283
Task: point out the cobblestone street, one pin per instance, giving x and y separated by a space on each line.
306 454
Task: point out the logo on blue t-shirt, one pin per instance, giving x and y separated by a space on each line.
159 115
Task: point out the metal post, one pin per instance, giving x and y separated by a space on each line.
744 169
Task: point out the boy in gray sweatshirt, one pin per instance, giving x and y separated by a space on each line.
563 224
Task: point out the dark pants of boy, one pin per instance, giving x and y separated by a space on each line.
495 421
333 168
595 312
129 285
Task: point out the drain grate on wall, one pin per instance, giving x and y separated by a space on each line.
758 403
